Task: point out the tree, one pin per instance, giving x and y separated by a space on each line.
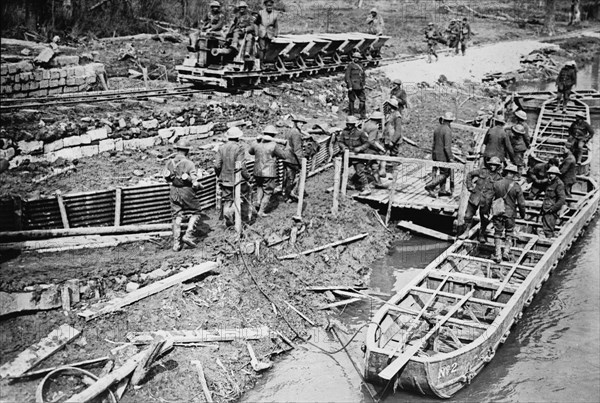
550 19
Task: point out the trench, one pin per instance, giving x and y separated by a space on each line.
551 355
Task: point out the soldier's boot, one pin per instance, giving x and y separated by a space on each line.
263 205
190 234
378 183
259 196
506 255
498 250
366 190
468 226
482 236
177 234
351 109
362 110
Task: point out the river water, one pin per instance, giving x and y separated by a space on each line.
553 354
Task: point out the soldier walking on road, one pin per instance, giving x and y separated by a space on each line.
355 81
266 151
441 151
356 141
496 142
464 36
481 196
567 78
432 37
182 176
504 222
230 153
554 199
580 132
568 170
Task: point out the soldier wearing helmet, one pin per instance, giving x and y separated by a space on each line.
374 127
538 177
227 156
392 135
481 196
432 37
568 169
554 198
399 95
214 21
266 151
243 31
511 193
464 35
566 79
496 142
375 23
181 173
520 142
441 151
291 164
356 141
580 132
355 81
453 32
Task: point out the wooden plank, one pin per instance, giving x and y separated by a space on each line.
44 371
514 267
149 290
30 301
329 245
346 167
402 160
463 278
391 370
38 352
118 206
391 196
237 197
200 336
300 313
334 287
63 211
340 303
337 171
408 225
454 321
452 295
202 379
488 261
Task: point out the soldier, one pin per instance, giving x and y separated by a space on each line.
441 151
520 142
496 142
291 164
375 23
481 196
580 132
432 37
392 135
181 173
269 27
230 153
399 95
374 130
356 141
243 31
568 170
266 151
504 223
355 81
214 21
310 146
453 32
554 199
465 36
567 78
538 177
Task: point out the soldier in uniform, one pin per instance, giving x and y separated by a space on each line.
356 141
374 130
269 27
441 151
464 36
181 173
453 32
580 132
266 151
504 224
230 153
291 164
243 31
520 142
214 21
520 117
568 170
399 95
567 78
538 177
554 199
496 142
355 81
375 23
392 136
432 37
309 144
482 194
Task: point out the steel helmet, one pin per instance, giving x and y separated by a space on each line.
268 1
351 120
521 115
494 161
499 119
377 115
581 115
215 3
374 10
571 63
554 170
518 129
511 168
270 130
242 4
448 116
431 23
357 55
397 81
234 133
183 144
393 102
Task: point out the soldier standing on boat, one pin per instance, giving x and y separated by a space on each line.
355 78
182 176
567 78
441 151
482 194
538 177
230 153
356 141
580 132
554 199
520 142
496 142
510 192
568 170
375 23
266 151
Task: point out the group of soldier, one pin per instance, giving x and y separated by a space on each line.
457 35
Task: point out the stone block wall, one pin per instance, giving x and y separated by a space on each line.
24 79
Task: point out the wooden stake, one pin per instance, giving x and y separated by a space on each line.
63 210
145 73
388 214
103 81
118 204
337 170
345 172
329 245
237 197
66 298
301 185
202 380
